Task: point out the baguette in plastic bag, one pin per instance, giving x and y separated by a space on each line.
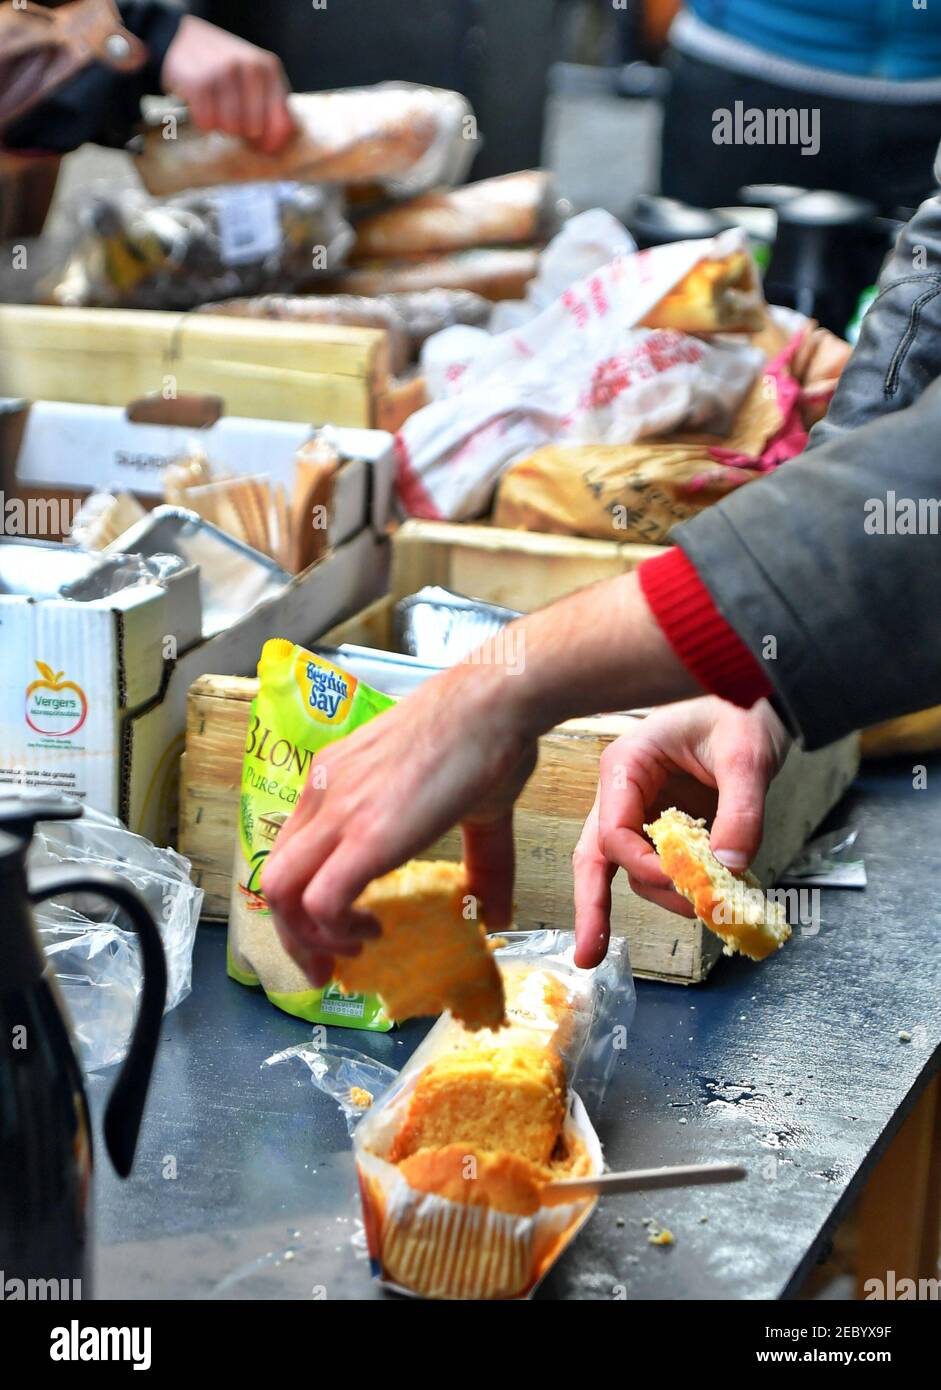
409 319
502 211
401 137
211 243
349 310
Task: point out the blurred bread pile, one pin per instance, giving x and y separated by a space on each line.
359 220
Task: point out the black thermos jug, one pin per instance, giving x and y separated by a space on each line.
45 1138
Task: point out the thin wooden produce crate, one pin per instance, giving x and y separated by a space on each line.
268 370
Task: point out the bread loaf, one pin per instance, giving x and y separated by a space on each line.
494 212
430 956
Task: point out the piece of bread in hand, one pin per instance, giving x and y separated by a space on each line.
430 956
734 906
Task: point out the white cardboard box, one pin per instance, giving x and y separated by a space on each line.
92 695
91 704
56 445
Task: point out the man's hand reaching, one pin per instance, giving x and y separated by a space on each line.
458 750
455 750
705 756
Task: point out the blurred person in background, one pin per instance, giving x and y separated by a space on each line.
871 68
228 84
56 94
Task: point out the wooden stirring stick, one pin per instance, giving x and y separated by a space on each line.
556 1194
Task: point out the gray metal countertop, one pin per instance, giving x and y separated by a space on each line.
244 1183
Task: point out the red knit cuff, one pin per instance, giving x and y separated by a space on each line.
708 647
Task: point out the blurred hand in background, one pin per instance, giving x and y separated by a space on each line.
228 84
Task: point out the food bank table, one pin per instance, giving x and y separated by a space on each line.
244 1184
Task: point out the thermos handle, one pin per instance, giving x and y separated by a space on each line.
126 1102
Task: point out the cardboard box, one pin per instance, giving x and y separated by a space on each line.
57 452
104 683
114 734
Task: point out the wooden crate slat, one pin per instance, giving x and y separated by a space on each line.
305 373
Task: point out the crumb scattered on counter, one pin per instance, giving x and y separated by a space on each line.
359 1097
904 1036
658 1237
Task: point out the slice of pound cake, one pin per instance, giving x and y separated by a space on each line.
430 956
734 906
505 1099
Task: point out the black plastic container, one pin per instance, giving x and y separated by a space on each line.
828 248
769 195
652 221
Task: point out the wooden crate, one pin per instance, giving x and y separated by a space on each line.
557 798
519 569
310 373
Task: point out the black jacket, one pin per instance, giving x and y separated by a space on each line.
98 105
844 616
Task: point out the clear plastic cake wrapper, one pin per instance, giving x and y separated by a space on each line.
95 957
430 1246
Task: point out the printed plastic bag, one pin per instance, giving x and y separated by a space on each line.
95 959
303 703
586 242
583 371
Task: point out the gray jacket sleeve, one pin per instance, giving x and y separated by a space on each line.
843 612
899 348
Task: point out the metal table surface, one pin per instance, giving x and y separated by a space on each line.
244 1184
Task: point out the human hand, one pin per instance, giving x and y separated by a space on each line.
228 84
706 757
458 749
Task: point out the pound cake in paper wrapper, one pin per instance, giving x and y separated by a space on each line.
453 1159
